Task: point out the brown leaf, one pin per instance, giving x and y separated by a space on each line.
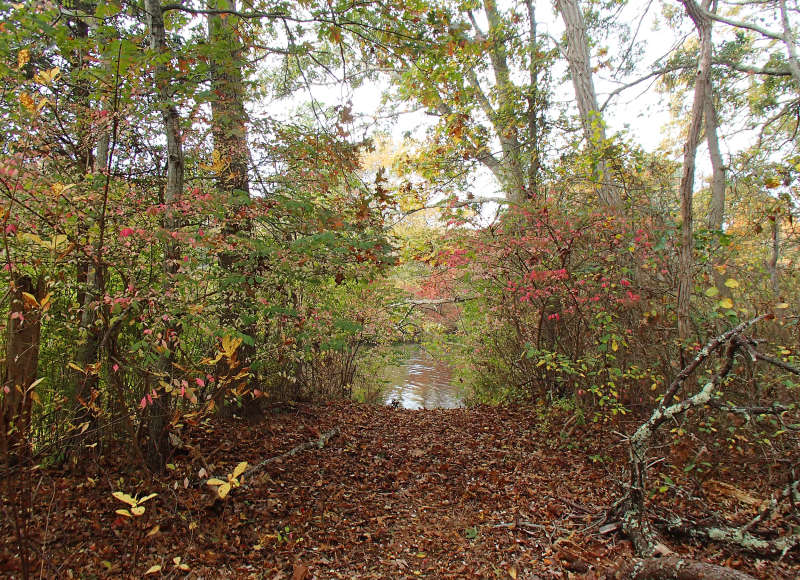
301 572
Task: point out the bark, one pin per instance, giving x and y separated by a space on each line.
157 416
229 130
21 361
535 108
686 258
580 69
510 172
676 568
91 272
716 210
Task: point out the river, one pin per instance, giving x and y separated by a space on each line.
421 381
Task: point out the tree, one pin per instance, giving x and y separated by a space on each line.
686 260
173 190
232 159
579 60
465 68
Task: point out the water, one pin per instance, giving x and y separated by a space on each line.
421 381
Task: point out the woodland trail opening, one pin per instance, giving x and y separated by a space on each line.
463 493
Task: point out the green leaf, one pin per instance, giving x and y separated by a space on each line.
711 292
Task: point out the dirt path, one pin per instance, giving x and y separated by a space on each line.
484 493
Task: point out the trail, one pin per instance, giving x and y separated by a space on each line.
479 493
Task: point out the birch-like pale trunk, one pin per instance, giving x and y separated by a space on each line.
157 444
580 69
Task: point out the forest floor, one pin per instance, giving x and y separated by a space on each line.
479 493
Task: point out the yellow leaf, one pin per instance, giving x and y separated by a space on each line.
124 498
512 572
614 346
153 569
176 560
215 481
58 240
240 469
782 306
147 497
731 283
23 58
47 77
75 367
230 344
711 292
46 300
27 101
726 303
30 300
137 510
125 513
154 530
217 163
31 238
223 490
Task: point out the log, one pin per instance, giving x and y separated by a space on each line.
676 568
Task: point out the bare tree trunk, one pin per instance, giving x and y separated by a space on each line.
686 258
535 107
92 271
716 210
157 445
580 69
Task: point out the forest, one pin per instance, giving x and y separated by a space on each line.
223 220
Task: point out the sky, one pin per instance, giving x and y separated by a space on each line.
641 111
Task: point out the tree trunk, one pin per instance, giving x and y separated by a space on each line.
21 361
716 209
686 258
158 414
229 130
580 70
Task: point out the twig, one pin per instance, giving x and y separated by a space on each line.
318 443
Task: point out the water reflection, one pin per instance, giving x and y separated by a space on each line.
421 381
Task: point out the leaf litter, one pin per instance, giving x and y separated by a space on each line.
488 492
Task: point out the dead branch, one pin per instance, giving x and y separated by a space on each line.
631 509
676 568
739 538
319 443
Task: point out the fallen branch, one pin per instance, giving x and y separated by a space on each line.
319 443
739 538
676 568
631 509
